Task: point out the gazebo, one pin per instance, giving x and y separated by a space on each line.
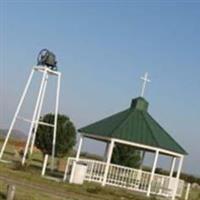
135 127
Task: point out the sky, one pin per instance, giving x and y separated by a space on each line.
103 48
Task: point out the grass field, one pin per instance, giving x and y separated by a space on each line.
68 191
25 194
30 185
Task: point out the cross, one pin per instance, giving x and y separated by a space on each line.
145 79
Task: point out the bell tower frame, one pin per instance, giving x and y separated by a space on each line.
35 121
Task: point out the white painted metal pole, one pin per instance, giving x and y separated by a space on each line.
38 114
108 162
33 119
17 112
152 173
55 121
44 165
172 166
177 177
187 191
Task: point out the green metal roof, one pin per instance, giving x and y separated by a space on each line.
134 124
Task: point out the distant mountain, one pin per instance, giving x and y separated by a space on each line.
17 134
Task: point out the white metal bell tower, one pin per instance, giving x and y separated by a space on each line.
35 121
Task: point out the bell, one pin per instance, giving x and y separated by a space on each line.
47 58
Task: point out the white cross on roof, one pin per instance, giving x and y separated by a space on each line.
146 80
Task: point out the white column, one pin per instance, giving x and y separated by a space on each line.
55 121
170 186
77 158
172 166
79 148
106 152
153 172
34 117
177 177
110 151
17 112
38 114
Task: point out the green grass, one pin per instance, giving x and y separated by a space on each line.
194 194
76 192
25 194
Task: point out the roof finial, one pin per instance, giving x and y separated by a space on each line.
145 79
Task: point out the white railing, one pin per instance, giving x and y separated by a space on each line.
129 178
126 177
95 169
160 185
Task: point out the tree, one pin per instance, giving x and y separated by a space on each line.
65 139
126 156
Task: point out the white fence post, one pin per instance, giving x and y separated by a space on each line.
66 170
11 192
187 191
44 165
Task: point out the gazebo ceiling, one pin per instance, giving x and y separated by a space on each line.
136 125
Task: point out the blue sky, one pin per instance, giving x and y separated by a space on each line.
102 48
